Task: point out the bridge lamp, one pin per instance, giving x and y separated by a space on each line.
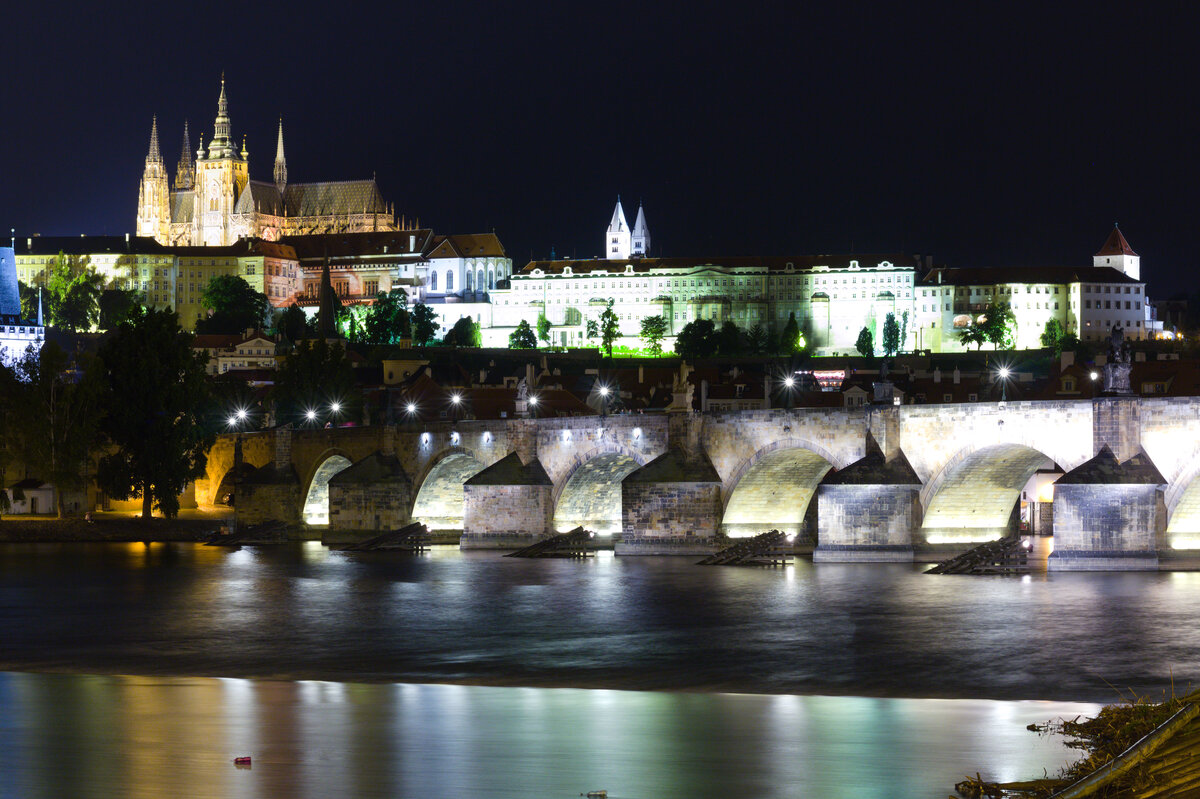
533 401
1094 375
1003 372
411 407
456 399
310 415
335 407
603 391
789 381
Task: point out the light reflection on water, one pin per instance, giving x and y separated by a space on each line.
80 736
627 623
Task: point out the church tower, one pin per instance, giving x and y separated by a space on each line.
617 242
640 241
154 204
280 163
220 177
1117 253
185 170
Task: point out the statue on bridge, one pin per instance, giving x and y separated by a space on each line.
682 391
1117 367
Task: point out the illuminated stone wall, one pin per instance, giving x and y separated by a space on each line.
866 523
1107 527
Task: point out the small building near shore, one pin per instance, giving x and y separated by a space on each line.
30 496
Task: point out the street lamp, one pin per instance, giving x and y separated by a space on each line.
310 415
1003 372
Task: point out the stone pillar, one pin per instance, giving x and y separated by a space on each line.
883 426
508 505
368 498
283 447
522 437
1109 515
1116 422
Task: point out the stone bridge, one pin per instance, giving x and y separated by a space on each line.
873 483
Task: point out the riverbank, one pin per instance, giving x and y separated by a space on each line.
190 525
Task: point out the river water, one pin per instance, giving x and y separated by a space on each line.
644 676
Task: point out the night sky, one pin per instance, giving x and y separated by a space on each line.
986 134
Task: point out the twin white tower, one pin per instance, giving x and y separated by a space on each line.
622 243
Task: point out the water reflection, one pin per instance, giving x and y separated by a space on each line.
153 737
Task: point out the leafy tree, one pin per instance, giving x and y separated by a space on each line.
543 328
610 328
697 339
73 293
119 305
292 323
52 419
903 329
351 323
592 330
523 337
1052 335
233 305
654 328
29 300
424 324
865 343
155 405
789 342
314 378
465 333
388 322
999 325
972 334
729 341
891 335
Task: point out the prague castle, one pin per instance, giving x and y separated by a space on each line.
213 201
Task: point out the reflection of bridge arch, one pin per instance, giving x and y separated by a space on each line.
316 497
590 494
774 487
974 496
438 501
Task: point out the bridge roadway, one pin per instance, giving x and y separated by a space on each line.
873 483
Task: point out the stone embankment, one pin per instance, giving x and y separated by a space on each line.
107 528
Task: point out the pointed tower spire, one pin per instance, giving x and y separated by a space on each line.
155 155
185 170
327 307
221 144
1117 253
617 242
280 162
640 241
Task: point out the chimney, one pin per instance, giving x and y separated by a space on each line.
641 375
957 376
1066 359
937 375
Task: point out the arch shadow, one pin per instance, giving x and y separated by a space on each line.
315 509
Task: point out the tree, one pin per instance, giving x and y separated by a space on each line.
654 328
465 333
729 341
52 418
155 408
1052 335
523 337
972 334
387 321
592 330
999 325
313 379
865 343
891 335
234 306
790 340
424 324
292 323
903 329
119 305
758 340
697 339
610 328
543 328
73 293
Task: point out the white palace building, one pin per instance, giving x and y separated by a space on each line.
832 296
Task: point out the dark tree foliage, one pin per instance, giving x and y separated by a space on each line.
156 412
654 329
465 333
789 341
293 324
592 330
543 328
234 306
610 328
865 343
758 340
1052 335
729 340
51 415
697 339
424 324
387 321
118 306
523 338
73 293
29 300
891 335
315 377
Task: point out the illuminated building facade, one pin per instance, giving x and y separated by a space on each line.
17 333
213 201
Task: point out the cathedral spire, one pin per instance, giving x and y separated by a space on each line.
185 171
221 144
280 162
155 155
640 241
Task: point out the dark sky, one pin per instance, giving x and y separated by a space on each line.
983 133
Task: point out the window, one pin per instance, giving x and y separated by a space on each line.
449 280
433 281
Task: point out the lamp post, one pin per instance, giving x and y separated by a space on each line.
1003 373
603 391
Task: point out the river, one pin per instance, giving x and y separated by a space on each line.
645 676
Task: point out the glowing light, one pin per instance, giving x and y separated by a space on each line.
411 407
241 414
789 381
533 400
1185 542
1004 372
454 438
233 421
1094 375
456 398
310 414
604 391
335 406
637 432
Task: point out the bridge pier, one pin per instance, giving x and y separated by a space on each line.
1109 515
868 511
369 497
509 505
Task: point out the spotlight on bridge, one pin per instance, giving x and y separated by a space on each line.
335 407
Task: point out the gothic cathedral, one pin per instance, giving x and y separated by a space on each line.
214 202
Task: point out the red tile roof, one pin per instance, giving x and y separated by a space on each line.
1115 244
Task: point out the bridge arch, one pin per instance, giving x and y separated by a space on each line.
973 498
589 495
316 493
1183 505
438 499
774 488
